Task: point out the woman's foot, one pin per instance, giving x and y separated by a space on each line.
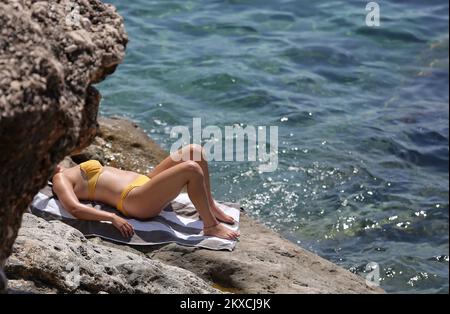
220 215
220 231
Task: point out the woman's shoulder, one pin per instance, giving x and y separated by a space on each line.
73 174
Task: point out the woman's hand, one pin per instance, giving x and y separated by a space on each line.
124 226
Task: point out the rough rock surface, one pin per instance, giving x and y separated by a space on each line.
122 144
262 262
53 257
50 54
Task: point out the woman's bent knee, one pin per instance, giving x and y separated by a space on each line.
192 167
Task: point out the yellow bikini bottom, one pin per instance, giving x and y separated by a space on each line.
141 180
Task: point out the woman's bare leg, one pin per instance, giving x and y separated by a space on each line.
188 153
166 185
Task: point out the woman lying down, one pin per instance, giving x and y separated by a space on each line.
142 196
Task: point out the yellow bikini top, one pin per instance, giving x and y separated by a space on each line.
92 168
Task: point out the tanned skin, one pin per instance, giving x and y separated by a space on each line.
167 180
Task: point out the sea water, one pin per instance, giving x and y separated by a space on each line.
362 115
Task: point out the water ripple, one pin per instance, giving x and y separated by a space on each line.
362 116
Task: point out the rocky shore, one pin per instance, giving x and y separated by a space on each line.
262 262
48 112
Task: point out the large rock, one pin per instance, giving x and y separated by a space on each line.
50 54
263 262
52 257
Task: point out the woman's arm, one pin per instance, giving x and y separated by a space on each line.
64 190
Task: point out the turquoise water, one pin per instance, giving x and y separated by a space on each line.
362 113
